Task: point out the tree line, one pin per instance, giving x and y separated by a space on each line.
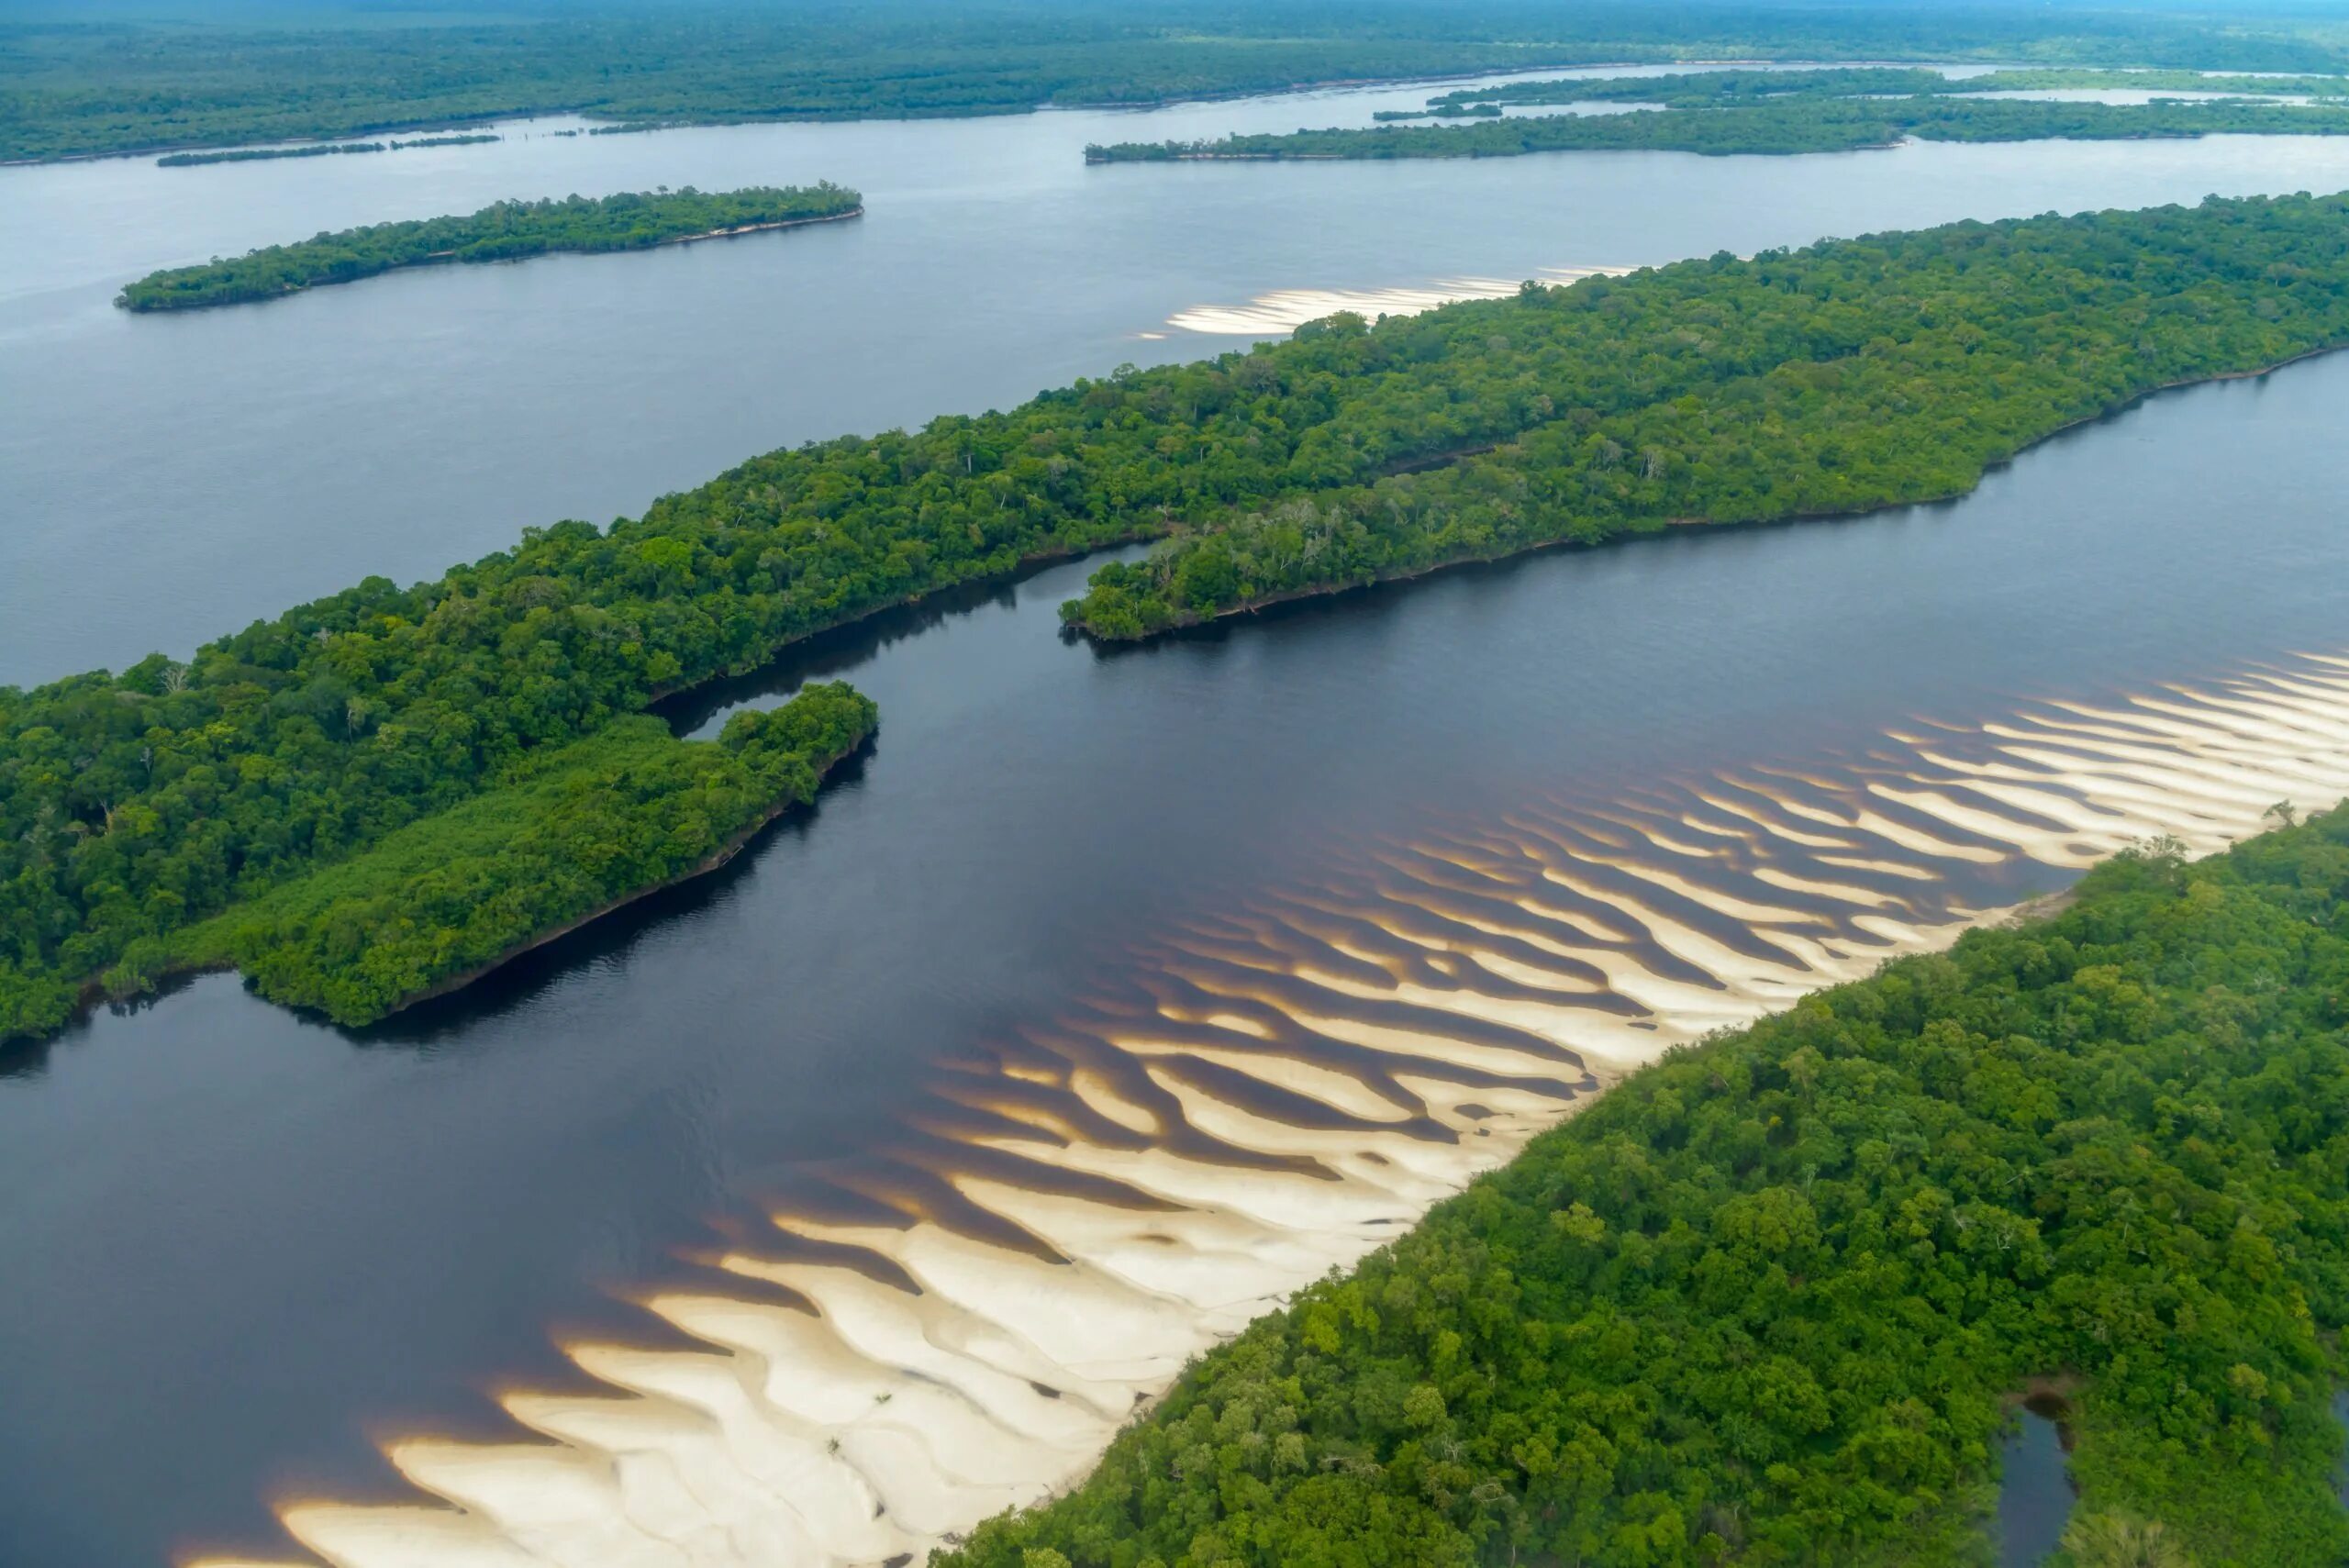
1717 89
76 88
503 232
1755 124
138 803
571 832
269 154
1773 1300
1856 374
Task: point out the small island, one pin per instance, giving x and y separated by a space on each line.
572 833
319 150
502 233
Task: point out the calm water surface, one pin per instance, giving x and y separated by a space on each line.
2035 1494
183 475
241 1248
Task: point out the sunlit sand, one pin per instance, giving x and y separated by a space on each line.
1271 1091
1284 310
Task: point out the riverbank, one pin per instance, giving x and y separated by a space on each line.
1078 627
1800 122
1798 1266
1788 431
588 829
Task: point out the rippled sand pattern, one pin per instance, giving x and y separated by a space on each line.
1284 309
1269 1091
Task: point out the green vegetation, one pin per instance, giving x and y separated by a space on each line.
266 154
1743 89
76 86
2153 82
474 139
271 154
1796 122
1766 1302
574 830
1855 375
502 233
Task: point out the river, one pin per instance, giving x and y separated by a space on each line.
1109 995
187 474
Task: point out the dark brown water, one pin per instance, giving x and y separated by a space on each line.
242 1251
2035 1492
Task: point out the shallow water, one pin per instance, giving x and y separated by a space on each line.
165 479
2035 1494
1376 884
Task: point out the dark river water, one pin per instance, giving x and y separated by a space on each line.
241 1248
2035 1494
185 474
245 1255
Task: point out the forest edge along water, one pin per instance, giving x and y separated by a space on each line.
1196 745
619 1046
1726 388
507 231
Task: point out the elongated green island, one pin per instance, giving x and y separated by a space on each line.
1777 113
1770 1302
504 231
323 150
137 805
1852 376
1736 88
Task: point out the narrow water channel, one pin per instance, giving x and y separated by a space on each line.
2035 1494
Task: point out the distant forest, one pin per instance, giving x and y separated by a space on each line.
503 232
1772 112
78 84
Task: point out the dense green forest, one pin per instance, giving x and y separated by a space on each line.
1855 375
1779 124
574 830
147 80
134 804
1770 1301
504 231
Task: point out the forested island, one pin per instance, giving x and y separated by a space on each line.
1744 88
1772 1300
569 833
81 87
1849 374
504 231
271 154
266 154
1795 121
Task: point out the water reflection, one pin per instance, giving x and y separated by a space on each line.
1254 891
2035 1489
956 1318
